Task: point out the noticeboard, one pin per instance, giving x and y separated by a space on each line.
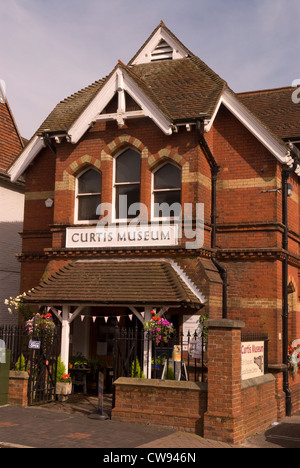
253 359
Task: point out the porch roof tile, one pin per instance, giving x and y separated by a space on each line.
116 282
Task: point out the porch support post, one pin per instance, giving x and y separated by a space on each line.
65 336
147 347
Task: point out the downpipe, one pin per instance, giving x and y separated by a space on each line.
215 168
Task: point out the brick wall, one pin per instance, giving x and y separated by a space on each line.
235 409
171 404
258 404
225 408
18 388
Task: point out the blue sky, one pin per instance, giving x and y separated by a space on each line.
52 48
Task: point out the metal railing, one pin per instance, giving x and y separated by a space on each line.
137 354
16 339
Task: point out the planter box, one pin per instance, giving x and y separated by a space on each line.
63 389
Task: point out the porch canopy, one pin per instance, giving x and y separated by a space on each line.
149 284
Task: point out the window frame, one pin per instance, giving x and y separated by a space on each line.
77 196
154 191
119 184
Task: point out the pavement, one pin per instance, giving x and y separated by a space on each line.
76 424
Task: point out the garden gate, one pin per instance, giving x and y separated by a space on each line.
44 348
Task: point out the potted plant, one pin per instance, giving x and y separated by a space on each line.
63 381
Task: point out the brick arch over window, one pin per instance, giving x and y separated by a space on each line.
121 143
82 163
75 168
165 155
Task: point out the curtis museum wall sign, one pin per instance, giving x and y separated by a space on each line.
118 236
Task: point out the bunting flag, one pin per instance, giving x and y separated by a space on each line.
106 317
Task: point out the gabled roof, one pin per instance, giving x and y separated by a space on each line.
11 142
276 108
187 88
68 110
160 34
103 282
178 88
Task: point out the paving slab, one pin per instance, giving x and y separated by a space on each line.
70 425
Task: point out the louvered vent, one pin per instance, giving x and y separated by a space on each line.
162 52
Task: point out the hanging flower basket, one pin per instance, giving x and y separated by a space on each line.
39 325
159 328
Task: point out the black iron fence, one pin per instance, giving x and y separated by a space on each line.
138 354
16 339
37 354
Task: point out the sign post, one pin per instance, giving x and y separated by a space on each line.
99 413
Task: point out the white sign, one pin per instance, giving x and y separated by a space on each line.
121 236
252 359
191 324
34 344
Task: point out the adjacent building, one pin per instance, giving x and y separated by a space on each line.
11 209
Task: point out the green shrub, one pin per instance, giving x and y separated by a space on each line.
61 370
170 373
21 364
136 371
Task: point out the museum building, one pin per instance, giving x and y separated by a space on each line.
158 187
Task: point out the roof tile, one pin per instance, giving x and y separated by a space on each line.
109 282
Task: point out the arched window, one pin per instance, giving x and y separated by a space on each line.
127 183
167 191
88 195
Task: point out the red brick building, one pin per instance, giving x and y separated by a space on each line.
165 128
